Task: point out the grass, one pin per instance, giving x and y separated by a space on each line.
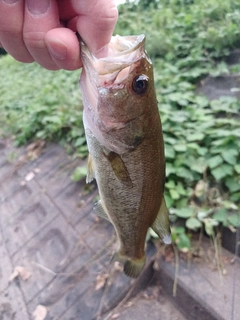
37 103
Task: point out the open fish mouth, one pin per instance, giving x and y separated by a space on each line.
122 53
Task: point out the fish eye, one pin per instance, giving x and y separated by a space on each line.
140 84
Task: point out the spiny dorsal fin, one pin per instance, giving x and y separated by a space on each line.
161 224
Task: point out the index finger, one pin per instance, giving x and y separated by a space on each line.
95 22
11 17
39 18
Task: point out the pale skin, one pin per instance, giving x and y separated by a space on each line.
45 30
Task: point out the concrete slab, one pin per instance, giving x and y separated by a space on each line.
203 291
149 308
52 158
5 266
217 87
47 227
49 250
73 198
12 304
22 226
66 290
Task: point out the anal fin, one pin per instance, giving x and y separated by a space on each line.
161 224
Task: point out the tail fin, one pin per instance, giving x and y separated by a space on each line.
132 267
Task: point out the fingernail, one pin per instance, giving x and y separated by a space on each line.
10 1
37 7
57 50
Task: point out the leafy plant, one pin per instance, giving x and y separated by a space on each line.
202 142
37 103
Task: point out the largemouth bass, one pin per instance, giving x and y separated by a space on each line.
126 149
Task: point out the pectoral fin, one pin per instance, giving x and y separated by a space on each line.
99 210
119 168
90 169
161 224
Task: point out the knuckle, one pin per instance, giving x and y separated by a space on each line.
34 40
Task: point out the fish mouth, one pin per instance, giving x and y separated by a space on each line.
113 69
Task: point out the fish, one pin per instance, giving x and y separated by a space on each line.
126 148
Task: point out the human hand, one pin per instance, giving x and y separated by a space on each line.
44 30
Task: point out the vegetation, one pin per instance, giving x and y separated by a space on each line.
186 40
37 103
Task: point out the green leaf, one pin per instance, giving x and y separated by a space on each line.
52 119
229 205
80 141
182 202
209 226
230 156
220 215
183 242
169 151
222 171
174 194
195 137
233 183
79 173
184 173
198 165
184 212
234 220
235 197
168 199
202 151
237 168
180 189
170 184
169 169
180 147
202 215
215 161
193 223
178 230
